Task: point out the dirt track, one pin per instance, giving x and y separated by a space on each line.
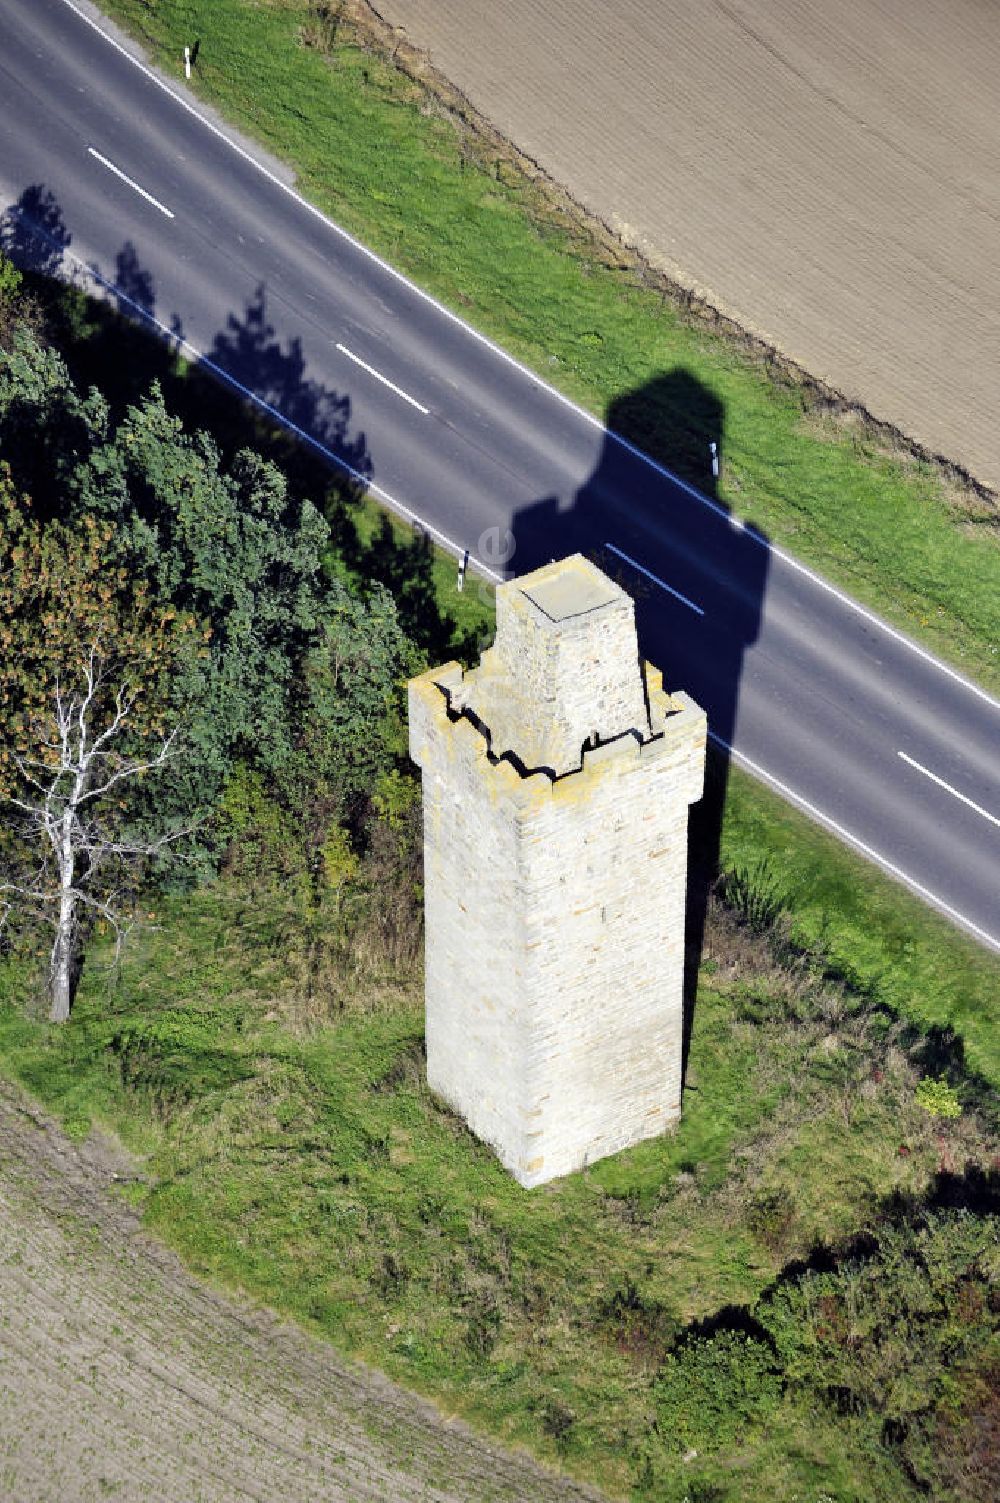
122 1376
827 174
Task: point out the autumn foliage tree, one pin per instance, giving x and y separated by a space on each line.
289 689
217 538
85 666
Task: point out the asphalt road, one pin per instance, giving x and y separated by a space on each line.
873 736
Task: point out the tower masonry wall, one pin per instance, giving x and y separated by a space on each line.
555 904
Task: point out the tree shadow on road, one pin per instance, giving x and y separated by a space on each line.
249 351
107 344
115 354
134 282
33 233
118 356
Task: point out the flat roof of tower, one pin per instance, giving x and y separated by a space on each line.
572 587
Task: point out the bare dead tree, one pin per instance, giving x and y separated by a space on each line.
67 811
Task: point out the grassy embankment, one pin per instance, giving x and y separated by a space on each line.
308 1165
442 202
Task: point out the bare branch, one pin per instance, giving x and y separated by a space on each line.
64 784
134 769
135 848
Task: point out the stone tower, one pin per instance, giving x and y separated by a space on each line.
556 781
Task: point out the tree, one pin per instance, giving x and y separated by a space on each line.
232 548
85 661
352 723
10 288
225 543
52 438
63 797
297 693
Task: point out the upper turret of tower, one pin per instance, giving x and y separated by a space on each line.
563 671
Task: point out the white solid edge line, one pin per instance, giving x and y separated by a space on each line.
384 379
949 789
183 344
641 569
589 417
131 182
860 845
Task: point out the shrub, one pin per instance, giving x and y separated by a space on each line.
712 1389
770 1213
10 287
641 1327
938 1097
891 1334
754 894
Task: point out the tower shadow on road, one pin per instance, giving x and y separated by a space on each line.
650 515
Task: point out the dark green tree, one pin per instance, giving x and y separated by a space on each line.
352 723
299 682
227 546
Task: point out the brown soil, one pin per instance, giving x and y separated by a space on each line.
828 176
123 1376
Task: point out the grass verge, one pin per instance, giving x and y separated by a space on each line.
310 1167
422 185
867 929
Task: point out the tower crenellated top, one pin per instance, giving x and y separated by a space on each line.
564 669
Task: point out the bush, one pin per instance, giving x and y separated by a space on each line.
894 1335
938 1097
754 894
713 1388
641 1327
10 288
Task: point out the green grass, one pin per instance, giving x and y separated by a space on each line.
315 1171
442 620
882 939
369 147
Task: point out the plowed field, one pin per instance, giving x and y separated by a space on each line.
123 1376
827 174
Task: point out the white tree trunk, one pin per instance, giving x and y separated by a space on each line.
61 960
61 789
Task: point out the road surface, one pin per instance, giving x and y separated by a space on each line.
892 750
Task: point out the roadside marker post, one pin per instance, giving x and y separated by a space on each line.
713 450
463 564
187 62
